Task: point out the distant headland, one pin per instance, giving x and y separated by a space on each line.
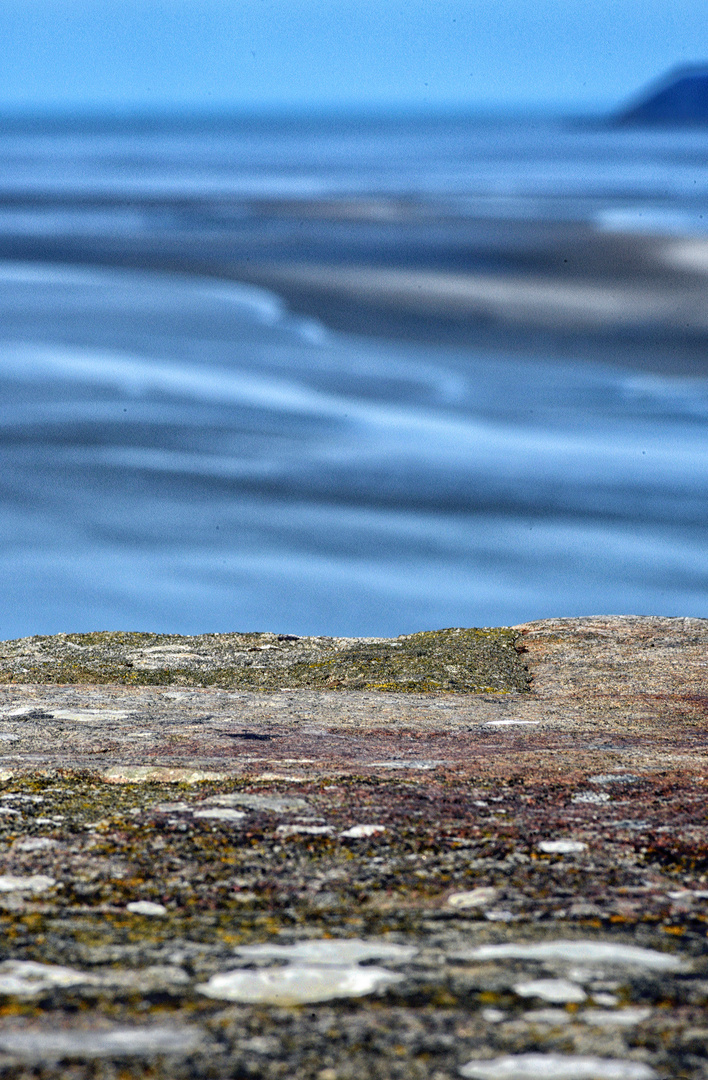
679 98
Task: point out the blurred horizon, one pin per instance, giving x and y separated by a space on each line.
243 114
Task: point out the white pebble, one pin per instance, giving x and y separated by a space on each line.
578 952
166 774
510 723
555 1067
36 883
359 832
557 991
35 843
221 813
329 951
146 907
562 847
410 763
608 1000
493 1016
615 1018
547 1016
474 898
26 978
297 984
685 894
120 1042
90 716
276 804
614 778
591 797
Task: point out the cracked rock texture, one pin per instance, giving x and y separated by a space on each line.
478 853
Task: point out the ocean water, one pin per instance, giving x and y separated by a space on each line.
184 454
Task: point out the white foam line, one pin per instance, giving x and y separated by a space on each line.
448 437
267 306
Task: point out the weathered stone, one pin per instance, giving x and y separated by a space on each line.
460 661
218 852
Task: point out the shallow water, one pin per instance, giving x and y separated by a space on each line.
185 455
188 456
174 175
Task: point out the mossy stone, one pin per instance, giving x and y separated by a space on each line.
451 660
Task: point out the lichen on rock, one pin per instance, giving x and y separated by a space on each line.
452 661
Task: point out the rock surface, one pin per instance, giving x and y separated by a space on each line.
452 660
478 853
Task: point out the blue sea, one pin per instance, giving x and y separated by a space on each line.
186 454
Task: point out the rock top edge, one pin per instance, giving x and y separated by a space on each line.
456 660
487 660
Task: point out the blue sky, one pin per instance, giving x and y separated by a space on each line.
322 54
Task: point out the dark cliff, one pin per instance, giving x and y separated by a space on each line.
681 97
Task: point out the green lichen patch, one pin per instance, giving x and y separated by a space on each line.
452 661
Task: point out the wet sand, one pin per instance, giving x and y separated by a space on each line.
408 271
